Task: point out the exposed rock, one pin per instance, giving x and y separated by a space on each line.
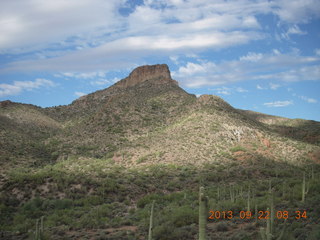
266 143
158 74
6 103
205 98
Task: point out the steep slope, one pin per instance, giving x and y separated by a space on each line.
212 131
99 123
23 131
299 129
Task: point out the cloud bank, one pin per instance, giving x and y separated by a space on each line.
92 35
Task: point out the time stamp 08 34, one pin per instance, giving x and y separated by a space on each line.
224 215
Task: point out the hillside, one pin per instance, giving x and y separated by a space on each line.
92 168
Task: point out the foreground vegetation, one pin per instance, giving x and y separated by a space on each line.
96 198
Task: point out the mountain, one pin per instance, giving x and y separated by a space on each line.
142 139
147 113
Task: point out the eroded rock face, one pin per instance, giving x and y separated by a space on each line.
6 103
156 73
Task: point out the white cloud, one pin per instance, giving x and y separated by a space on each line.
274 86
276 52
223 90
79 94
100 82
95 36
97 78
278 104
253 66
252 57
124 52
114 80
197 74
241 90
228 90
317 51
92 23
293 30
19 86
84 75
103 81
194 68
297 11
309 100
259 87
301 73
97 31
36 23
174 59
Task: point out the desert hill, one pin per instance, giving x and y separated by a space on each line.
147 113
93 167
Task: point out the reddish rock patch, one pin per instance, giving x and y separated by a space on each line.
266 143
314 156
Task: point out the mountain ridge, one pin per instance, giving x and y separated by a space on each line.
92 169
121 116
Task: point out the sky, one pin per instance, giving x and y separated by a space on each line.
257 55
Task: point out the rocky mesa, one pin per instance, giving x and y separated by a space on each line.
158 74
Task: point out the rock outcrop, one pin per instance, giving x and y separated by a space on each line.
6 103
158 74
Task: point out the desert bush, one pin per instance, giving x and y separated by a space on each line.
238 148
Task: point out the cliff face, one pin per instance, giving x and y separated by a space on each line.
158 74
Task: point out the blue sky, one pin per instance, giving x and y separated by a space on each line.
258 55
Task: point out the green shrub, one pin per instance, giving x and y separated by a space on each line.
147 199
33 208
183 216
238 148
142 159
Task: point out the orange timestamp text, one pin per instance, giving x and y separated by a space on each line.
216 215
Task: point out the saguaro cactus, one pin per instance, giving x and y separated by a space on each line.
39 229
151 222
202 214
283 189
272 211
248 199
36 237
282 231
303 187
266 233
232 193
270 186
